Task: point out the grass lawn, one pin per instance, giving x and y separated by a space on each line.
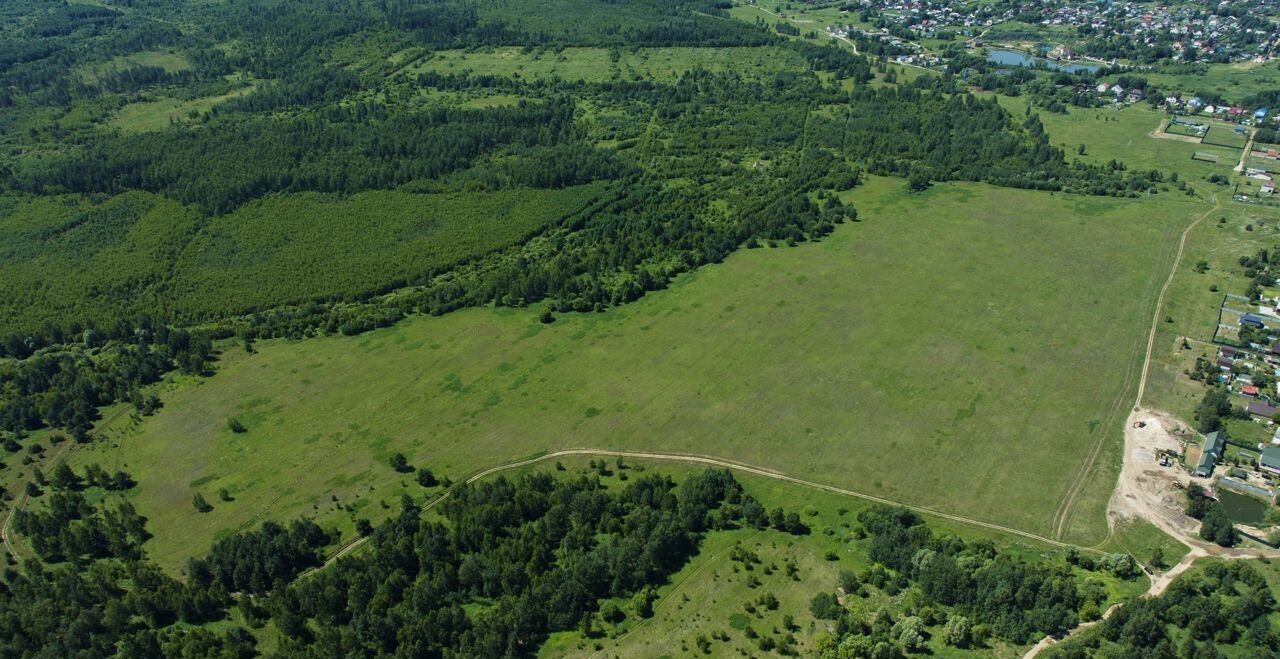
964 349
1225 135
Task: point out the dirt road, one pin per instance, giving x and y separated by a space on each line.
1062 516
1244 155
712 462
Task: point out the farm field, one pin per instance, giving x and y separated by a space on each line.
863 361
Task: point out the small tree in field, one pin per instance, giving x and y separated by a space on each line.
426 478
200 504
400 463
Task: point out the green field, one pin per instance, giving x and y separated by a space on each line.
1222 135
160 113
598 64
1194 308
1126 135
1234 81
975 384
171 62
137 249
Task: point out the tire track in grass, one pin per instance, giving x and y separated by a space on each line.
1073 493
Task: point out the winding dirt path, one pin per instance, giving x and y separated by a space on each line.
691 458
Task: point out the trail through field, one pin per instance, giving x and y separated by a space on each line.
1244 155
1063 515
712 462
1151 492
6 531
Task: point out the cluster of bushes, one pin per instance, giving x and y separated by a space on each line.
1222 604
970 589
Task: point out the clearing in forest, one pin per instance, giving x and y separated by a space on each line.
965 349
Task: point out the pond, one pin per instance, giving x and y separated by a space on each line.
1242 509
1014 58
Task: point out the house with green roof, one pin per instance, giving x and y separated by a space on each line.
1270 460
1214 444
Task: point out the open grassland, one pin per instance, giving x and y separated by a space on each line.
160 113
140 251
714 594
1128 135
1234 230
965 349
171 62
600 64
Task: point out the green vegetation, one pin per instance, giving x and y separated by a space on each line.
415 241
1147 543
604 64
138 253
472 379
1223 608
1219 240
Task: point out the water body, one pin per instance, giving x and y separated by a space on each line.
1014 58
1240 508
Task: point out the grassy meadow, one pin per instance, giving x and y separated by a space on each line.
1231 231
159 113
1126 135
976 383
1234 81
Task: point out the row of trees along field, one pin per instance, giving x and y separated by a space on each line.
531 555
